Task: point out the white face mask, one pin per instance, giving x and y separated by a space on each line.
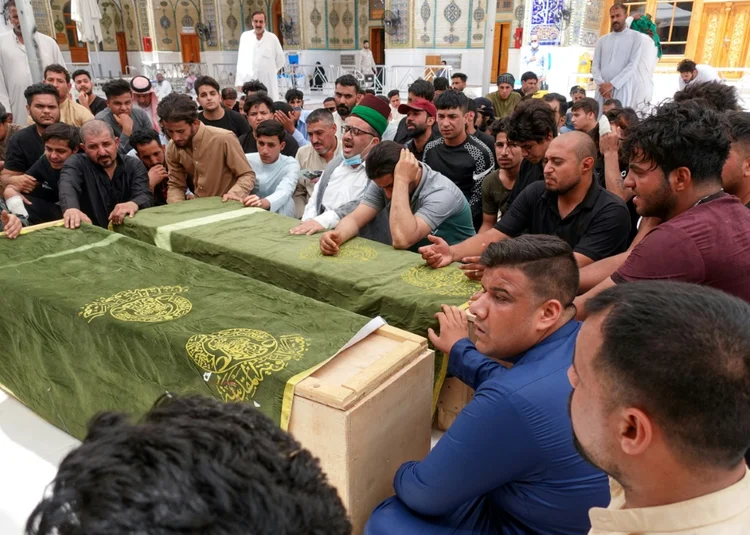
356 160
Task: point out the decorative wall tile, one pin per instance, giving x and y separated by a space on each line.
546 20
399 38
452 23
425 24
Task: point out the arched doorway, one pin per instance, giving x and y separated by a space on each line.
79 51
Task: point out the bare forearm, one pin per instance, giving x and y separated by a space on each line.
403 223
612 177
347 228
6 177
476 245
597 272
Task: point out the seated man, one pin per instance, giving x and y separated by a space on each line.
145 99
228 460
585 113
569 204
121 115
296 99
735 177
276 175
71 112
229 99
507 464
259 108
101 185
150 152
676 175
672 442
211 155
560 106
611 104
504 99
285 114
42 204
214 113
10 223
419 202
420 121
344 181
497 185
7 130
86 96
315 157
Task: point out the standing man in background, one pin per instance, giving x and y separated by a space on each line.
365 60
15 73
616 59
643 92
534 59
260 56
163 87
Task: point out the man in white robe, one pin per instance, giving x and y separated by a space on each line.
260 57
643 90
616 59
15 73
690 73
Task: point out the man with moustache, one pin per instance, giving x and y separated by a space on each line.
507 465
260 56
101 186
497 186
315 157
660 378
70 113
347 94
419 89
420 119
85 87
145 99
121 115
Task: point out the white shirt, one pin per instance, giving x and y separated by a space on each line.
643 88
339 125
365 61
345 185
276 181
15 73
706 73
615 61
260 59
162 89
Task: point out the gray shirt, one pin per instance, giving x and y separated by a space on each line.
141 121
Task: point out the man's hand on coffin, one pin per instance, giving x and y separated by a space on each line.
73 218
472 268
11 225
256 202
308 227
231 197
121 210
453 327
438 254
329 243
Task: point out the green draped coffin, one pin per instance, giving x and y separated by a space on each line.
94 320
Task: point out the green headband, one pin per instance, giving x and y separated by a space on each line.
372 117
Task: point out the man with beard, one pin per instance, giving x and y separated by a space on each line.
497 186
214 114
535 483
163 87
691 73
569 204
85 87
315 157
347 94
560 106
101 186
211 155
735 177
420 118
15 74
260 56
660 379
259 107
70 113
418 89
121 115
485 114
149 150
144 98
676 158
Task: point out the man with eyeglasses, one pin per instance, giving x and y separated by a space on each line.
344 181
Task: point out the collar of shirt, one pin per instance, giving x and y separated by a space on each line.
710 510
197 139
588 202
539 351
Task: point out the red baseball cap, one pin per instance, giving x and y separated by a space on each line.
419 104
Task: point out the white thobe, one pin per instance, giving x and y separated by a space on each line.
365 61
346 184
615 61
15 73
275 182
643 88
706 73
260 59
162 89
533 60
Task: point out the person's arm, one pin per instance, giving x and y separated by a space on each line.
476 245
177 183
609 146
140 192
70 186
607 234
347 229
237 163
628 71
488 222
242 60
310 210
299 138
84 114
5 95
241 124
286 186
580 301
279 54
406 227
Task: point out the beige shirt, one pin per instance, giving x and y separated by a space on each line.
216 162
71 113
726 512
310 160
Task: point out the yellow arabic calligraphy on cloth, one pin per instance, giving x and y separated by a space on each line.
147 305
444 281
242 358
349 253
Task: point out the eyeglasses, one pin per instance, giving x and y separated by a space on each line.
355 131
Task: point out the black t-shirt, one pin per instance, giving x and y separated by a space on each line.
232 121
247 141
98 105
466 165
413 147
44 198
24 149
402 137
528 173
489 141
597 228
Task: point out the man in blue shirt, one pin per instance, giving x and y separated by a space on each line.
507 465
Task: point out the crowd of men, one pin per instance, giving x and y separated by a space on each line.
604 237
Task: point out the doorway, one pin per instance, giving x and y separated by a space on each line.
500 50
79 51
377 45
724 40
191 48
122 49
277 19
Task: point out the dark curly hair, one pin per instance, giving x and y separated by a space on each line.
532 120
253 86
688 135
192 465
177 107
719 96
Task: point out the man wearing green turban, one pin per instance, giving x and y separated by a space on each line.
643 90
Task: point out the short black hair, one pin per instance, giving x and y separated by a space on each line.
348 80
719 96
577 90
143 137
283 107
382 159
471 106
4 115
500 126
195 465
176 108
254 86
618 5
547 261
229 93
369 92
294 94
451 99
689 370
441 83
532 120
320 115
79 72
587 104
686 65
739 126
613 102
628 116
366 41
206 80
261 97
329 99
63 132
393 92
38 89
271 128
529 75
422 89
561 100
678 135
115 88
460 75
57 69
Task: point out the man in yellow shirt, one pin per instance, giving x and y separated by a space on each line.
661 376
71 112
